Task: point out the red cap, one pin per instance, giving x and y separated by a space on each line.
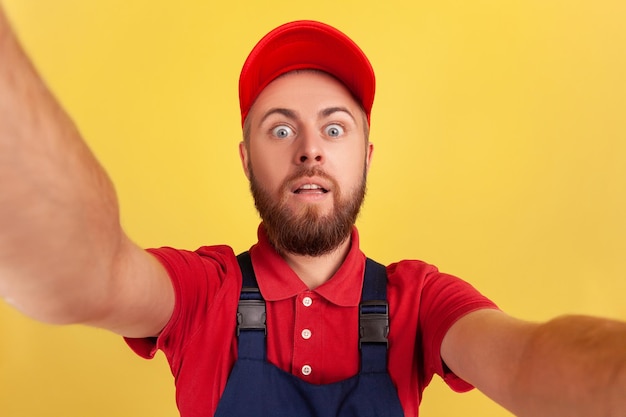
306 44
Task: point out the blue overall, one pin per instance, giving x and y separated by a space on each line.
258 388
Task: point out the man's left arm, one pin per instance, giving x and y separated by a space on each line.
567 367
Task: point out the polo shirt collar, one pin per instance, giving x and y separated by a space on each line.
277 281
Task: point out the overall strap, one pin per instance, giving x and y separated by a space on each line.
374 318
251 315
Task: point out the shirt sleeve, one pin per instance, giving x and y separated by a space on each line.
444 300
198 278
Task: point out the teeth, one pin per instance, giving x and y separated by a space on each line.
311 187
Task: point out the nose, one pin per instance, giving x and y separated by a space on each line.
310 149
304 158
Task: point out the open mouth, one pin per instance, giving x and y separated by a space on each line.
310 189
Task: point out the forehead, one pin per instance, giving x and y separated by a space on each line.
302 90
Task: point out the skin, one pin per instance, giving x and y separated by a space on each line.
570 366
301 121
47 268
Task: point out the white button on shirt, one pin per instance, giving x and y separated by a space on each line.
305 346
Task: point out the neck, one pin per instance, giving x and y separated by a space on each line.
316 270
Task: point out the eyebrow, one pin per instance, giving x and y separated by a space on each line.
290 114
329 111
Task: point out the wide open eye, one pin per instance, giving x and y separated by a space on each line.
282 132
334 130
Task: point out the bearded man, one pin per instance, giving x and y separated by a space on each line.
302 324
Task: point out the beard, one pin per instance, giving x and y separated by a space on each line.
305 231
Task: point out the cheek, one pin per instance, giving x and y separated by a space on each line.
352 168
268 171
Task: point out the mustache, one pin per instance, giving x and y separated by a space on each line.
304 172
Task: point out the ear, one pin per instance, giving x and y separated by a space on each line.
243 155
368 156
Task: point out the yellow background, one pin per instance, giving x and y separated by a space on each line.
500 156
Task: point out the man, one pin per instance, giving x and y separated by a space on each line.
306 93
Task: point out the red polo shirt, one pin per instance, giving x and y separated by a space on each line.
312 334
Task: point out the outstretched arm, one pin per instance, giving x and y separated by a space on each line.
63 255
570 366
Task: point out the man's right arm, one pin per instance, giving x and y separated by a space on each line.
64 257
